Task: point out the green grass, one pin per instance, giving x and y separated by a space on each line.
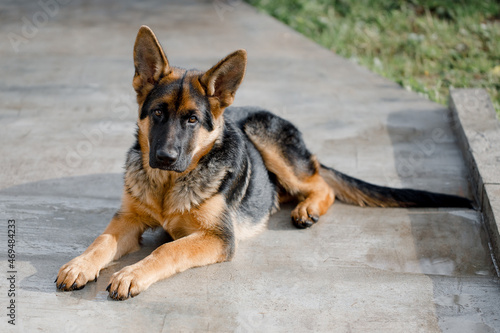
427 46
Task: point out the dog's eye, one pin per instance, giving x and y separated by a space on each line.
158 113
192 119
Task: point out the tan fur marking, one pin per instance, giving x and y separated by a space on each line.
187 103
147 208
207 216
277 165
144 127
205 141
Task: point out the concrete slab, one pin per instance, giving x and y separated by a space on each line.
491 213
478 131
67 111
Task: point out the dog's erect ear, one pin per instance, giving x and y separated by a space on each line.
222 80
149 60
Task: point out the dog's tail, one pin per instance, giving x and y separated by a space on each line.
357 192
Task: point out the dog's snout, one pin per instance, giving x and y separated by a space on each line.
167 155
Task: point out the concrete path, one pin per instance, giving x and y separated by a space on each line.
67 118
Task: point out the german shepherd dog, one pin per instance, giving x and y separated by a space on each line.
212 175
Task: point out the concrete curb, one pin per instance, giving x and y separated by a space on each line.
478 131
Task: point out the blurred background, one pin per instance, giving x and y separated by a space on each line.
426 46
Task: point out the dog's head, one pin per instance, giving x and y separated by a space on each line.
180 111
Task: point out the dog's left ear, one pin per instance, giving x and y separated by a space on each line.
222 80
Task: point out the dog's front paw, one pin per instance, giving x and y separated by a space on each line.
128 282
75 274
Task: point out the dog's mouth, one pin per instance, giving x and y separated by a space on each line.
175 167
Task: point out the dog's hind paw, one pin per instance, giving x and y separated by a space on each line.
304 215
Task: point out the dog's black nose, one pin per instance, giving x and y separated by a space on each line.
168 156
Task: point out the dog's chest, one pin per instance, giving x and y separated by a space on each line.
165 194
186 193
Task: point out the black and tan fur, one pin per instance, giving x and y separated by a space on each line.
211 175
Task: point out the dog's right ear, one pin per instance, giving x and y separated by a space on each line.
150 62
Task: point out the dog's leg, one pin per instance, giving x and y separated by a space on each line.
315 196
297 170
197 249
120 237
